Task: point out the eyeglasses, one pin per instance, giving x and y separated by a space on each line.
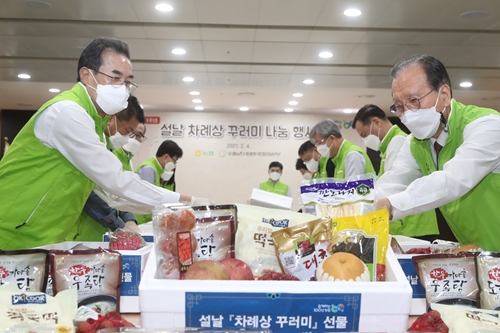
319 143
118 82
131 132
412 103
138 136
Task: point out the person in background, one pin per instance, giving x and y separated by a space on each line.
344 158
379 134
304 171
273 184
59 156
451 161
160 170
98 217
310 157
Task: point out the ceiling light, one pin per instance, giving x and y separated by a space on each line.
352 12
308 81
244 108
36 4
163 7
348 111
297 95
24 76
54 90
326 54
187 79
199 108
293 103
196 101
466 84
288 110
475 14
179 51
194 93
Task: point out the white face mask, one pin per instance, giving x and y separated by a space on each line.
423 123
275 176
324 150
167 175
307 176
132 145
312 165
169 166
117 140
110 99
372 141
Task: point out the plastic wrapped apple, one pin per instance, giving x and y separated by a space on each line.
208 270
238 269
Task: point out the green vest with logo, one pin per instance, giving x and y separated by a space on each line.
153 162
339 161
474 217
415 225
87 229
278 188
42 193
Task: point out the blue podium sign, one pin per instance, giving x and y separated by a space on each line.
280 312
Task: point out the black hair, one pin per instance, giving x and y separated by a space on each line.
91 56
276 164
434 70
133 109
365 114
300 164
305 147
169 147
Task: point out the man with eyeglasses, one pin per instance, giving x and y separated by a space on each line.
452 159
343 159
59 156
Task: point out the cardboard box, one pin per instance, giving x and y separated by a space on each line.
270 200
363 306
418 304
133 263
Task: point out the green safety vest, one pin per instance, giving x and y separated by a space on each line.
414 225
87 229
42 193
339 161
278 188
474 217
144 218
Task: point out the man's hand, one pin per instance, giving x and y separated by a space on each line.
132 225
385 203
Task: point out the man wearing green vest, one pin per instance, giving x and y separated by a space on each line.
301 167
310 158
98 217
344 159
452 158
273 184
160 170
379 134
59 156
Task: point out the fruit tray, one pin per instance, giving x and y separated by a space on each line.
282 306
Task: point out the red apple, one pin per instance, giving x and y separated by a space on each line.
208 270
238 269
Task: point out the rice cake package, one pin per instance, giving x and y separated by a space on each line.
36 311
215 231
254 242
464 319
448 278
27 269
334 197
488 280
175 244
365 236
96 274
303 247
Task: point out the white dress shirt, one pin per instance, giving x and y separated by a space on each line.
412 193
354 164
72 133
392 151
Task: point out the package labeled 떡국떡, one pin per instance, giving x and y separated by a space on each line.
96 274
488 280
27 269
215 231
448 278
